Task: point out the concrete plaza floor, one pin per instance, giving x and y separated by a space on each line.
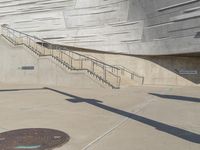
134 118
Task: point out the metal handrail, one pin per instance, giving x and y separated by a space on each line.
53 45
92 59
36 44
127 70
132 73
118 77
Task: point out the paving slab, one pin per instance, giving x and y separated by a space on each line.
143 117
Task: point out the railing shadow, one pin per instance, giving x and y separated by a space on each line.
169 129
176 97
163 127
16 90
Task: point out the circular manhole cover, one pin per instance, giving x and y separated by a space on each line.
32 139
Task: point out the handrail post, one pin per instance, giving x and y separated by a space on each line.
142 80
81 63
119 81
2 30
28 41
58 53
43 47
14 37
132 76
7 33
61 55
34 46
92 66
52 51
104 70
71 61
21 39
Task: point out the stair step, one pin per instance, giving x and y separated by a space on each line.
64 63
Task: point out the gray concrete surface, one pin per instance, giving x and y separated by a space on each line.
138 118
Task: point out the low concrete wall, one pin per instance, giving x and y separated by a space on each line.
46 70
157 70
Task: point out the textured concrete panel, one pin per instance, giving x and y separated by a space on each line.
137 27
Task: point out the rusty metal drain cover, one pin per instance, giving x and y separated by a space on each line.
32 139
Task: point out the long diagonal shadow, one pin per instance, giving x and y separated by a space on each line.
177 97
16 90
175 131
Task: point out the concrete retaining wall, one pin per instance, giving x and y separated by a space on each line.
158 70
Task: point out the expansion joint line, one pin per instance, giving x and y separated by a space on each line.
136 109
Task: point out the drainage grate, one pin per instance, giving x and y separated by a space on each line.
32 139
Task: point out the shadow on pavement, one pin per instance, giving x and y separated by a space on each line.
176 97
169 129
175 131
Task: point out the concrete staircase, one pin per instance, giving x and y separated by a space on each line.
106 74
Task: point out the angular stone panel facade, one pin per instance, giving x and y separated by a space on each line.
139 27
